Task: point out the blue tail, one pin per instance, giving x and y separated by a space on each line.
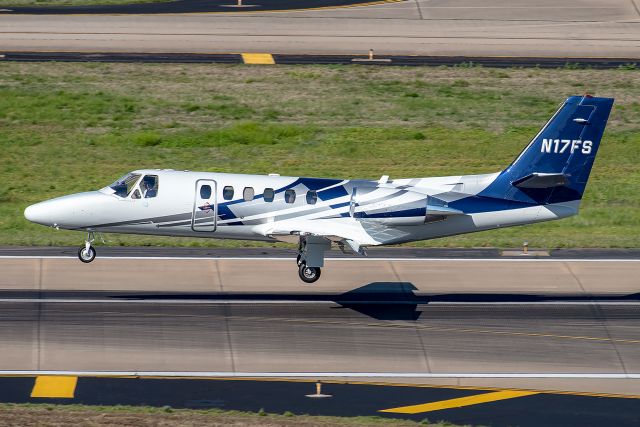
555 166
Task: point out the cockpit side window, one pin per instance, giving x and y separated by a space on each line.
124 185
149 186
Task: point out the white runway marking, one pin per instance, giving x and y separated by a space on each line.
288 259
222 374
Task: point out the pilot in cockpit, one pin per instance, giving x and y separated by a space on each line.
149 186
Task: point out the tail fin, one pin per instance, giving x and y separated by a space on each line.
555 166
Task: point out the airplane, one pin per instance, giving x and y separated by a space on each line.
545 182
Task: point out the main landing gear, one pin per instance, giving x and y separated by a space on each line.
308 274
87 253
311 257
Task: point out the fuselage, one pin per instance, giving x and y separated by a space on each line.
255 207
545 182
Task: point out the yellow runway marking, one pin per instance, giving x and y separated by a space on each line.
258 58
54 386
459 402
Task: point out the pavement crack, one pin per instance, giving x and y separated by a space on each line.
419 9
39 327
575 277
424 350
417 329
635 6
227 317
599 315
216 264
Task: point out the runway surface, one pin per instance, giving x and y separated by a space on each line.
549 323
530 28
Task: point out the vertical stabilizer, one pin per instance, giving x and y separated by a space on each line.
555 166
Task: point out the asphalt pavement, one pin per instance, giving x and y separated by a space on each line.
476 406
473 336
534 29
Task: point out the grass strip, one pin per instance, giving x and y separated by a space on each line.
48 415
70 127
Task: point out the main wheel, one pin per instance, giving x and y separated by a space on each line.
85 255
308 274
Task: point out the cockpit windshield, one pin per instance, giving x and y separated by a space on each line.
124 185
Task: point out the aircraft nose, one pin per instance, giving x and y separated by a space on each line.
58 212
36 213
72 211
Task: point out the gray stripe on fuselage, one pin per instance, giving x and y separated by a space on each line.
152 220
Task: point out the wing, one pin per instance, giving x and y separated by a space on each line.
347 236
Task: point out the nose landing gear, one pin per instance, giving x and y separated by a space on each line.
87 253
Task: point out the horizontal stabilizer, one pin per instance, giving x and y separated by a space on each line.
542 180
442 210
436 206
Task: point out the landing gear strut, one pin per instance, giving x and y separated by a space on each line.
87 253
311 257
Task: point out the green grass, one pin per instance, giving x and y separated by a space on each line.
63 415
75 127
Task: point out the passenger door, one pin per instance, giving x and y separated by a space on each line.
205 208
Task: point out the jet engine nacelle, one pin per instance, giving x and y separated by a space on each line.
389 206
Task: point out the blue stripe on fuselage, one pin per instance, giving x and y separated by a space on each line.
315 184
480 204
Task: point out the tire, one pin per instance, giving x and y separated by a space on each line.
308 274
84 257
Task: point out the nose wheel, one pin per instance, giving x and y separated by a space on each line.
87 253
308 274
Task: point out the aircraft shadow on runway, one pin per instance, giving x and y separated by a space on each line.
383 300
378 300
182 6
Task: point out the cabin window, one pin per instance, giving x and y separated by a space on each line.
227 192
205 192
248 194
312 197
149 186
269 194
123 186
290 196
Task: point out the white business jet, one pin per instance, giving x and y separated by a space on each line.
545 182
